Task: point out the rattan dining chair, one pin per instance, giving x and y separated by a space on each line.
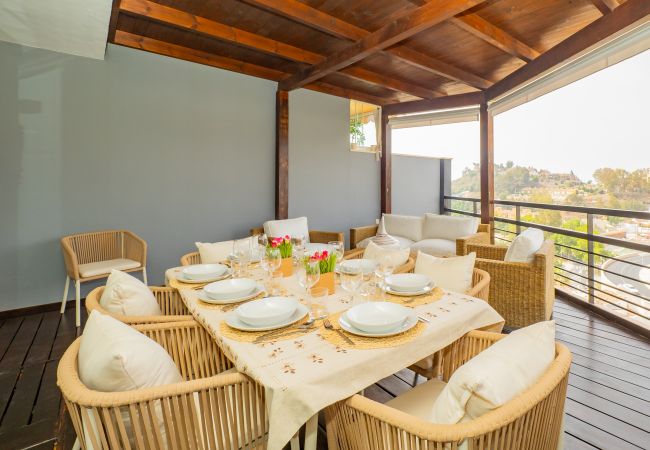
532 420
214 408
169 300
92 256
190 258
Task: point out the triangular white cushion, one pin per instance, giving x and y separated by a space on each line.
497 374
523 247
387 255
127 296
452 274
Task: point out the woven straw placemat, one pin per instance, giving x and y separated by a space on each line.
435 295
362 342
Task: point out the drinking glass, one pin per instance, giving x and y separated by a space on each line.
258 245
272 260
273 287
317 304
351 279
308 276
383 270
298 243
338 248
368 292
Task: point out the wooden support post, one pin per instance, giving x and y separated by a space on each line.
386 166
281 155
487 165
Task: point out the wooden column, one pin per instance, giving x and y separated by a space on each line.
281 155
386 166
487 163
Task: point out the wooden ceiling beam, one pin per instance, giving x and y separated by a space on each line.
210 59
313 18
481 28
226 33
605 6
627 14
449 102
390 34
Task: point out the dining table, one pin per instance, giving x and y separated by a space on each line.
305 370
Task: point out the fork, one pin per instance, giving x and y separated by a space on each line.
327 324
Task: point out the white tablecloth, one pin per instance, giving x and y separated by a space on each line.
305 374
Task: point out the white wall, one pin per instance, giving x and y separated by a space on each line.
174 151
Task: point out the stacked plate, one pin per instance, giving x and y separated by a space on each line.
408 284
267 314
230 291
366 266
203 273
378 319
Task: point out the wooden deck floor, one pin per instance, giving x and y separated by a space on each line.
608 405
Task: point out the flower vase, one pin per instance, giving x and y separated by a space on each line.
286 267
326 281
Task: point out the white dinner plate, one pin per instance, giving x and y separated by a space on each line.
365 265
230 288
423 291
411 321
233 321
377 317
180 277
202 271
267 311
259 289
407 282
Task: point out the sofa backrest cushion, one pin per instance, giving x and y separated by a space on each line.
409 227
437 226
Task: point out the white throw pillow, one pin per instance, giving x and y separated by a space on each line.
127 296
396 256
437 226
402 242
524 246
292 227
452 274
497 374
114 357
215 252
409 227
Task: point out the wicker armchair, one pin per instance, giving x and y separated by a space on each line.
482 236
523 293
532 420
357 253
316 237
172 307
191 258
209 410
92 256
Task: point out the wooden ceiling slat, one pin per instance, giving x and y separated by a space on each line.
479 27
620 18
210 59
211 28
605 6
390 34
309 16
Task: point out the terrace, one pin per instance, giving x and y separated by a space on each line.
194 122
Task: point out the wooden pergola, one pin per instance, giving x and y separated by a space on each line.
407 56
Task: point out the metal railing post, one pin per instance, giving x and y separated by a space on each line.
518 218
590 256
474 208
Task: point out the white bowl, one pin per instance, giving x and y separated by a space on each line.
267 311
203 271
408 282
232 288
377 317
365 265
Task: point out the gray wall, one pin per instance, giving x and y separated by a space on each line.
416 184
174 151
334 187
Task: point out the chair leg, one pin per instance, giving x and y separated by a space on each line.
295 442
144 275
77 288
65 293
415 379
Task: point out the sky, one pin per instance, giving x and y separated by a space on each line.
602 120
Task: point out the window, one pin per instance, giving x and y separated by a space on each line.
365 128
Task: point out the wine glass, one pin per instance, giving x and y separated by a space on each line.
338 248
308 276
298 243
272 260
351 279
383 270
241 250
258 245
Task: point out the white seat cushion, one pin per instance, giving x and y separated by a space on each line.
215 252
419 401
105 267
524 246
497 374
435 247
402 242
292 227
437 226
390 255
127 296
453 274
409 227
